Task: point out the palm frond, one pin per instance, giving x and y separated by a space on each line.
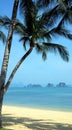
68 16
1 22
42 50
44 55
20 28
58 48
44 3
2 36
66 4
29 11
25 41
52 47
26 6
63 4
6 21
59 30
39 47
49 17
64 8
46 35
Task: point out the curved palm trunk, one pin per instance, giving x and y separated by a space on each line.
6 55
8 45
16 68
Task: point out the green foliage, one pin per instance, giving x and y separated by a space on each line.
2 37
43 20
58 48
5 129
43 27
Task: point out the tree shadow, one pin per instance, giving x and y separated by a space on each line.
34 124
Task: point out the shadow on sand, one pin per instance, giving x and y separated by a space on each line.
8 120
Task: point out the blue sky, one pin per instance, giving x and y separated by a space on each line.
34 69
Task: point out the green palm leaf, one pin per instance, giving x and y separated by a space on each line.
44 3
41 49
60 31
52 47
25 41
6 21
28 9
2 36
50 16
58 48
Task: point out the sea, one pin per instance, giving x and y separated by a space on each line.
53 98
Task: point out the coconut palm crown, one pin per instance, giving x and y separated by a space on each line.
41 25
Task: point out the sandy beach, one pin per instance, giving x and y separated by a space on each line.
21 118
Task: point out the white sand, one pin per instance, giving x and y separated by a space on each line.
21 118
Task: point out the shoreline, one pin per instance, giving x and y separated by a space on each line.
41 108
25 118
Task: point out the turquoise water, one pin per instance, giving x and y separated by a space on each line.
45 98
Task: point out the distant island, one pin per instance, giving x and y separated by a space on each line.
60 84
33 86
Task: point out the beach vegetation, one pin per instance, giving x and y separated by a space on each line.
5 129
43 21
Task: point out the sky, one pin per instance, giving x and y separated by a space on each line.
34 70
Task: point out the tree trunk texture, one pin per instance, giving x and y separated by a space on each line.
1 102
9 43
6 56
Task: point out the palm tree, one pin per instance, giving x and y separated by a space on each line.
6 56
3 38
38 29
